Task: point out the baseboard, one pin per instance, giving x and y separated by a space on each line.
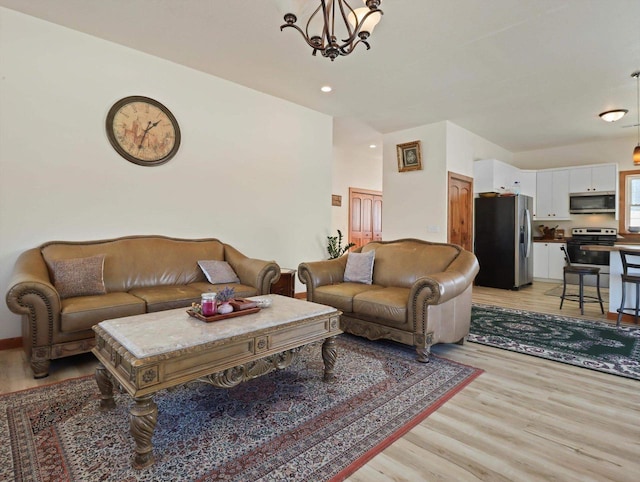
301 296
9 343
625 317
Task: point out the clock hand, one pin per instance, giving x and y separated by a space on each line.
149 126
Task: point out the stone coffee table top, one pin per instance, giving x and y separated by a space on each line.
167 331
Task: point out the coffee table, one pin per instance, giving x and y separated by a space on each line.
146 353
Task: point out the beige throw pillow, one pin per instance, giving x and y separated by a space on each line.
79 276
218 272
360 267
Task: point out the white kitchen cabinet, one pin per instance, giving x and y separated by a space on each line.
552 195
491 175
593 179
548 260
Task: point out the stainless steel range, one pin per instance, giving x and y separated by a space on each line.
600 259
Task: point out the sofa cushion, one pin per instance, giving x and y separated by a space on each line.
218 272
78 276
159 298
388 306
359 267
341 295
83 312
241 291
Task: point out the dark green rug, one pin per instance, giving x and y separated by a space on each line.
585 343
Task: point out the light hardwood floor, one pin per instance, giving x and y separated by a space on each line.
523 419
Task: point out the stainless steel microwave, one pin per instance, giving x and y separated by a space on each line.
592 202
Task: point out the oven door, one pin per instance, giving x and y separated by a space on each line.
581 256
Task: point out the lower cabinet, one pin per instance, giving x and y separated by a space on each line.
548 260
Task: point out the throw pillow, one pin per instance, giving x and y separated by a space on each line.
218 272
79 276
360 267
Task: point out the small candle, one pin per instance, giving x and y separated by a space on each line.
208 304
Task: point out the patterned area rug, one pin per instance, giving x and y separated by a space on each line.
585 343
287 425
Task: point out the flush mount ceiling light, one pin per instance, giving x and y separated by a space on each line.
636 151
613 115
333 27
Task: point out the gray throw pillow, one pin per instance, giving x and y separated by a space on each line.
78 276
218 272
360 267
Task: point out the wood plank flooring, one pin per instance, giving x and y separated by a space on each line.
524 419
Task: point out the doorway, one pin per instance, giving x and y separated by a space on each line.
460 218
365 216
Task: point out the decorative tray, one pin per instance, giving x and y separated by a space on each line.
241 307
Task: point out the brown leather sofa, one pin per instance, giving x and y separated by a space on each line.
420 294
140 274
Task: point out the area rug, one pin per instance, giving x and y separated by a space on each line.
287 425
585 343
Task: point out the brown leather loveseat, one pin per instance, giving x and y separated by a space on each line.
115 278
420 292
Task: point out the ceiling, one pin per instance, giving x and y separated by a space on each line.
523 74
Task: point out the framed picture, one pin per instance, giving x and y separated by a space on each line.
409 156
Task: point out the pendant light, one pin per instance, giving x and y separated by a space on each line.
636 151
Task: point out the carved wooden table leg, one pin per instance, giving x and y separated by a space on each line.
329 356
105 385
142 420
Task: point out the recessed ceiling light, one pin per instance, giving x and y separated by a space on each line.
326 88
613 115
372 146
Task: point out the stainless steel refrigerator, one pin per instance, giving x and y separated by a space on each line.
503 241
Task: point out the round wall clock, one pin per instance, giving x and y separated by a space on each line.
143 131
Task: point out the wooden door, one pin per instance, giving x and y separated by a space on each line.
365 216
460 222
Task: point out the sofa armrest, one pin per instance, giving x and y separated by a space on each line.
321 273
258 273
31 293
440 287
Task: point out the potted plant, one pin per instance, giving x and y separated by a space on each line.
334 246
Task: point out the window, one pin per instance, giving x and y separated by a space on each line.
629 202
633 203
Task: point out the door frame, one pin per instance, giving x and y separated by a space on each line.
361 191
454 175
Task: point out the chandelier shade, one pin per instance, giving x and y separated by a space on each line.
332 27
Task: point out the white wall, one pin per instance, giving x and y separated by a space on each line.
355 164
252 170
464 147
415 202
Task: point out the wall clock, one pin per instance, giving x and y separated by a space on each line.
143 131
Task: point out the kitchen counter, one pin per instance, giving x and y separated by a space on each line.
615 275
615 247
542 240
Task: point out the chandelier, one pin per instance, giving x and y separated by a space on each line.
333 27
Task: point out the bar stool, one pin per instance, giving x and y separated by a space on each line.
627 257
581 271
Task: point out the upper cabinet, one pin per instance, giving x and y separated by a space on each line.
491 175
552 199
593 179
